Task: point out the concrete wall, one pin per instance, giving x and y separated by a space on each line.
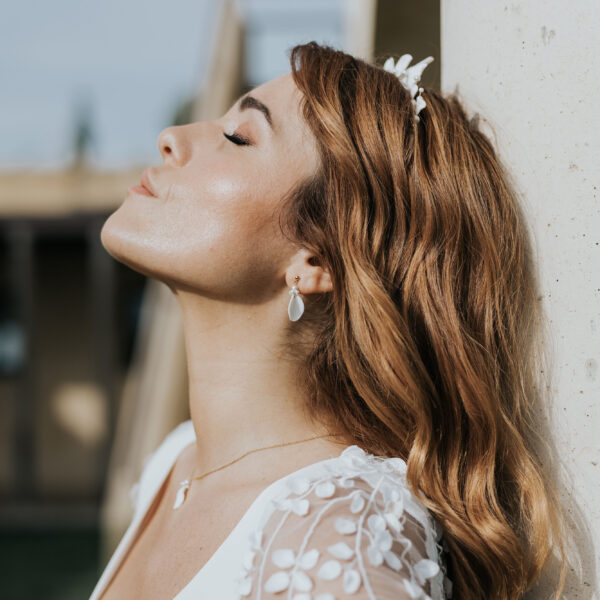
532 69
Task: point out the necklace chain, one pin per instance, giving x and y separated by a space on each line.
184 486
265 448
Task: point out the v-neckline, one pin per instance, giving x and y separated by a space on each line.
140 516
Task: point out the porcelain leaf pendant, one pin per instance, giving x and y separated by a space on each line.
184 486
296 305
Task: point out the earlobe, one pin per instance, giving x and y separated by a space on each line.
315 281
313 278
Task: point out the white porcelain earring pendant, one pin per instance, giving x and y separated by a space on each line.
296 306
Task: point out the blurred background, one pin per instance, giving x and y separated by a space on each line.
92 365
92 371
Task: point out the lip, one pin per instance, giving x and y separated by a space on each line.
139 189
146 183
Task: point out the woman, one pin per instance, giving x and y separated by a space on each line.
374 440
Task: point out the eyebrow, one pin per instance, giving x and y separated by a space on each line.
252 102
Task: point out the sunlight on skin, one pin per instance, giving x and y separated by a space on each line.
210 232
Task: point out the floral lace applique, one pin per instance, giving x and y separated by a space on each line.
356 531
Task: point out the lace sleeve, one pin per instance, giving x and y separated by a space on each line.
361 535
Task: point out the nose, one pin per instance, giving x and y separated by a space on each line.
172 145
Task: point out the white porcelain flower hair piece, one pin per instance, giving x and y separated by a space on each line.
409 77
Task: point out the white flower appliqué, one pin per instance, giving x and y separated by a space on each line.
330 533
409 77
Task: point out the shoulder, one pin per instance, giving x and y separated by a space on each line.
351 529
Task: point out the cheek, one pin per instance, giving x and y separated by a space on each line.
224 214
211 234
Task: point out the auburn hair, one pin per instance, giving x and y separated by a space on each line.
427 347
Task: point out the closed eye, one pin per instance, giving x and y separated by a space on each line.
237 139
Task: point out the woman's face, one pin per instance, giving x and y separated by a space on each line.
211 225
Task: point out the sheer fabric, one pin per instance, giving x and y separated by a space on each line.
355 532
342 528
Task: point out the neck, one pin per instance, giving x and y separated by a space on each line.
243 392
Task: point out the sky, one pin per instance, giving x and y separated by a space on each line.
131 62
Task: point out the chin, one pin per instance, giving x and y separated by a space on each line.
122 244
119 243
111 238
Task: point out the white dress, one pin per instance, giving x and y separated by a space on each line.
343 528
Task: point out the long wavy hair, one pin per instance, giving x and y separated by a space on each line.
427 347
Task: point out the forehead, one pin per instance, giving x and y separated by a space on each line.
282 97
293 140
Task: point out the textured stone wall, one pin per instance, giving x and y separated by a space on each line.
532 69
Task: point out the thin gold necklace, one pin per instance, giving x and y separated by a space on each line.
184 486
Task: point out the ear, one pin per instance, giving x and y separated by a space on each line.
314 279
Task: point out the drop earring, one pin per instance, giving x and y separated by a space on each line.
296 306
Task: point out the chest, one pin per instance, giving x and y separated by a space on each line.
172 546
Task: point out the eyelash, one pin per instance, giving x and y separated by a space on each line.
237 139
